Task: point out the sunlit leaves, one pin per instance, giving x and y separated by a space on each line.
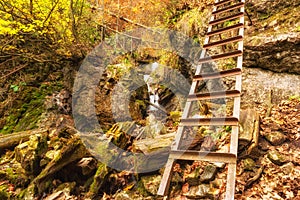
62 23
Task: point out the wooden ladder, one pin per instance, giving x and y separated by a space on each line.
220 8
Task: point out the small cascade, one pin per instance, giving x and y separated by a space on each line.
152 90
155 114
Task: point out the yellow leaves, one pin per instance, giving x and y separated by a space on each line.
135 9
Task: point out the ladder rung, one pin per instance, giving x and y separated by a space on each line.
221 56
222 2
220 74
217 21
227 121
222 42
203 155
238 5
222 30
214 95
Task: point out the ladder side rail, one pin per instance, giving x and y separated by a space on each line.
230 186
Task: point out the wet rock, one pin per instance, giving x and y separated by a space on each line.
72 151
276 157
275 137
198 192
151 183
249 164
208 173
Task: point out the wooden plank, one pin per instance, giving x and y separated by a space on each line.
214 95
219 74
235 6
222 30
226 121
221 56
204 156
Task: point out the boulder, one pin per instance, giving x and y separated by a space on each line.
208 173
275 137
248 164
199 192
276 157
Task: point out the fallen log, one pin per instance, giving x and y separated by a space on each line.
12 140
73 151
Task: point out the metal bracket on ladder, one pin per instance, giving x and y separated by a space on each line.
220 7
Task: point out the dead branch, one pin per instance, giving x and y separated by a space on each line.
14 71
8 60
50 13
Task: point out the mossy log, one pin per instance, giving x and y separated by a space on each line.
12 140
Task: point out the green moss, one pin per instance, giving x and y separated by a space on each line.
99 179
27 112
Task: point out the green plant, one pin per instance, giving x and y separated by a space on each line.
15 88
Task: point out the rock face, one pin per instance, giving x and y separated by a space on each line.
272 40
271 43
282 55
259 83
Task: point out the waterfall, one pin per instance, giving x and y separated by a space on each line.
153 94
